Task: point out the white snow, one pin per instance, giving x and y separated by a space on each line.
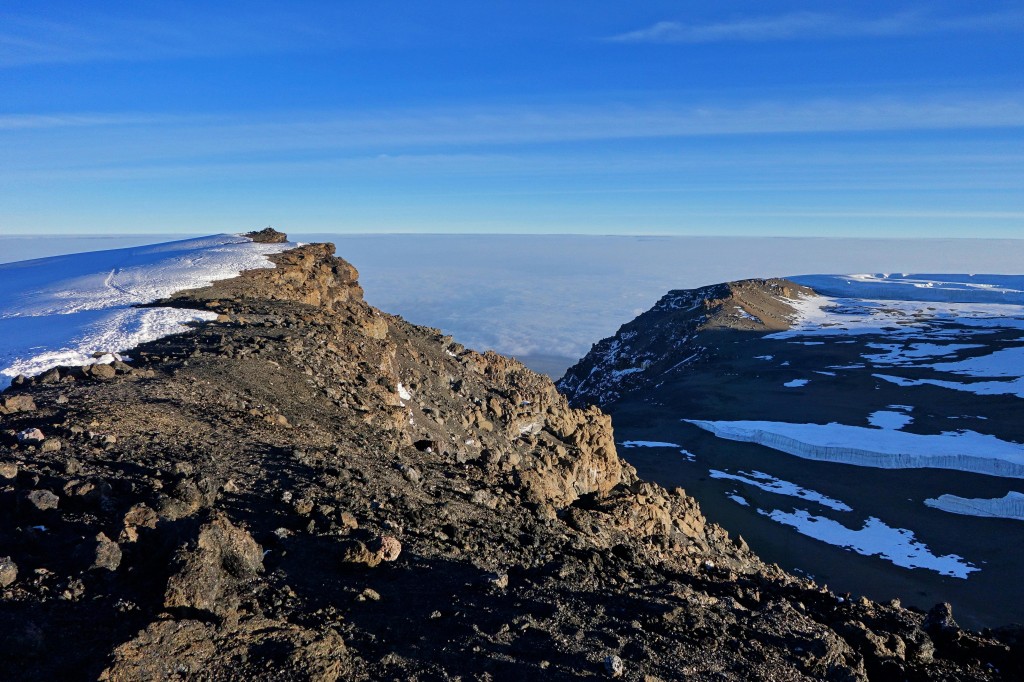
886 419
881 448
1003 289
796 383
909 354
648 444
771 484
738 499
1012 387
875 538
403 392
688 456
1007 362
1010 506
61 310
824 316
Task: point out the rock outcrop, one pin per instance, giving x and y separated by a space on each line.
671 336
308 488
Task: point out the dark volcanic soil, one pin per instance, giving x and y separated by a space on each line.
308 488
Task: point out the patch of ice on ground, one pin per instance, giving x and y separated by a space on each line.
1007 362
403 392
61 310
1012 387
910 354
1010 506
778 486
648 444
796 383
738 499
885 419
875 538
688 456
764 357
881 448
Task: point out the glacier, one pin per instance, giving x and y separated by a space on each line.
1010 506
879 448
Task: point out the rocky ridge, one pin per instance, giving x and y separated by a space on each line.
308 488
642 352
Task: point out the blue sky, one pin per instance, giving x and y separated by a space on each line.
746 118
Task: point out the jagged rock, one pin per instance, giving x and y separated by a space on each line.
8 470
939 620
17 403
43 500
356 552
388 547
102 371
614 666
222 557
267 235
108 553
31 436
8 571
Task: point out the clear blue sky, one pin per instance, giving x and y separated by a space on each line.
782 118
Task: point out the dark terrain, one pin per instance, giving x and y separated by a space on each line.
700 354
308 488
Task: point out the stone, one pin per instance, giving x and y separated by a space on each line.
940 620
498 580
369 594
356 552
223 557
8 470
51 445
108 553
613 666
17 403
31 436
348 520
388 547
103 372
43 500
8 571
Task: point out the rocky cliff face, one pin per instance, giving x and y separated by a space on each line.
308 488
667 337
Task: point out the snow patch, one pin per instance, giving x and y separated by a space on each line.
62 310
648 444
875 538
771 484
885 419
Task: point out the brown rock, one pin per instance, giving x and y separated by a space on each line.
17 403
108 553
43 500
223 557
8 571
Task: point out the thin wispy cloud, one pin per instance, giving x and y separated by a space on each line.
819 26
180 33
392 130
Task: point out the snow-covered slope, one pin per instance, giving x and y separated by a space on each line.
945 288
64 310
